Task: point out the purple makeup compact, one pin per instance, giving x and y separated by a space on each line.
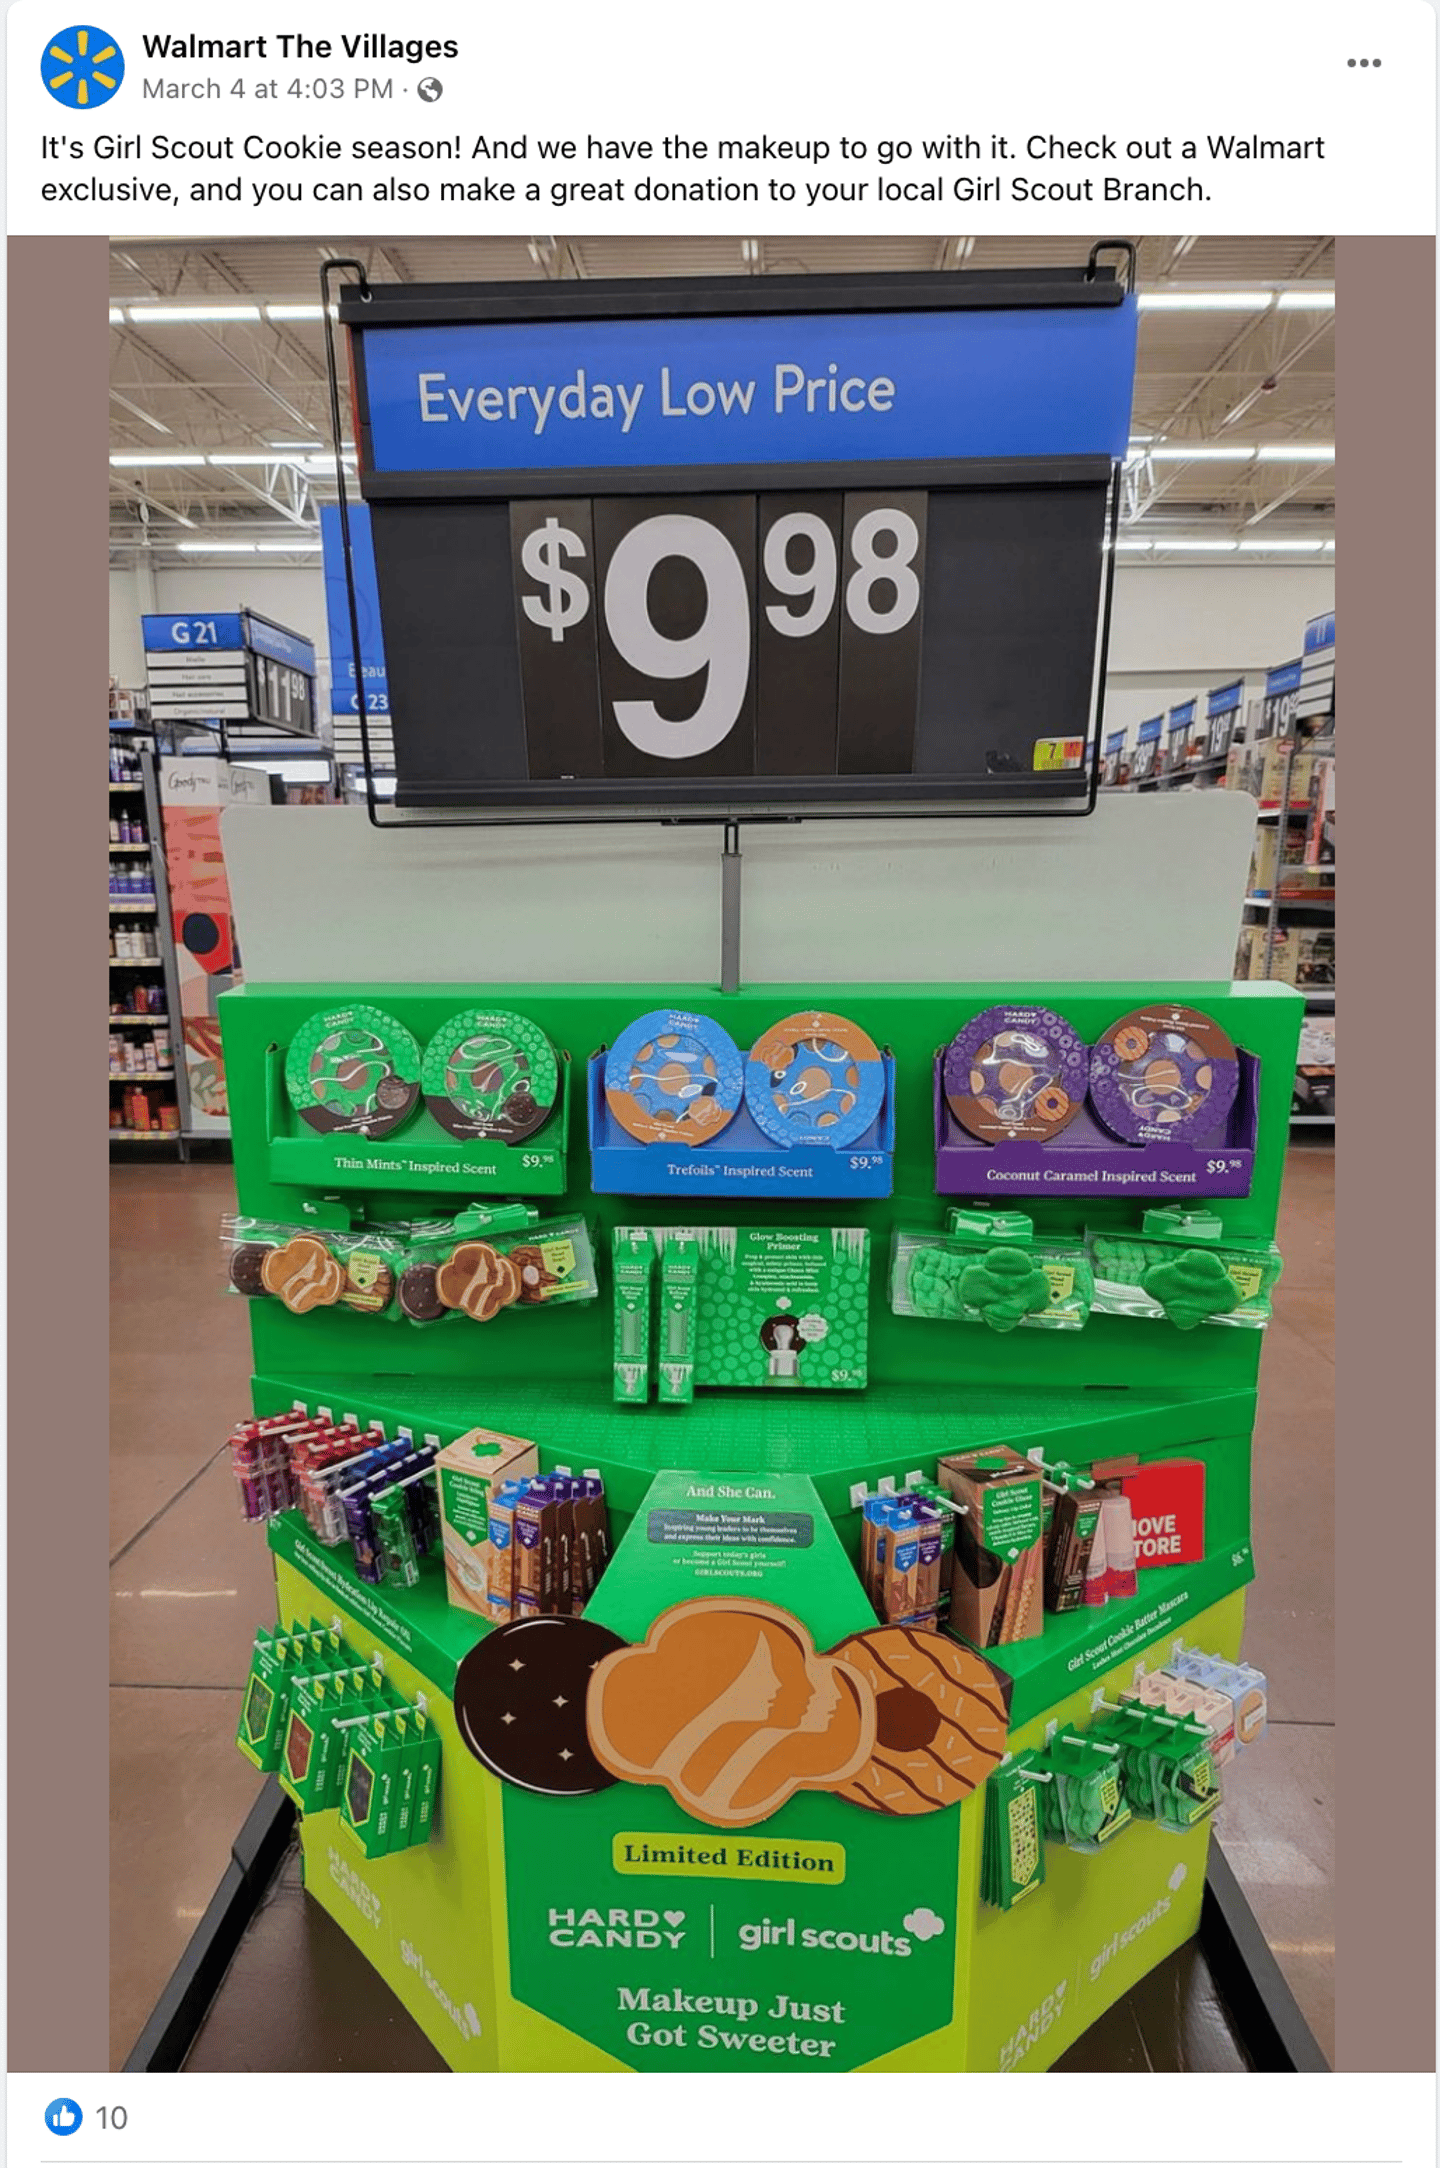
1015 1072
1163 1073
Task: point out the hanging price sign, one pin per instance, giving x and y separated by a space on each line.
668 555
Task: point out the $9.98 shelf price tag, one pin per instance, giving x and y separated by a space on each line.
729 634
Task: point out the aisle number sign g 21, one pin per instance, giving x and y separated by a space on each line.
694 546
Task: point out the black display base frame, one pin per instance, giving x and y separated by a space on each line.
1268 2021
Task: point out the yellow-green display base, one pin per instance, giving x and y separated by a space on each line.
434 1920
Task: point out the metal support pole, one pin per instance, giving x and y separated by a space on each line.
730 865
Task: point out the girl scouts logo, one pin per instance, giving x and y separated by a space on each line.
82 67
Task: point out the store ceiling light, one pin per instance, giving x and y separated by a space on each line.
303 543
297 312
199 312
1196 297
1307 297
157 459
297 444
117 316
1206 544
1133 542
1278 545
216 549
1311 454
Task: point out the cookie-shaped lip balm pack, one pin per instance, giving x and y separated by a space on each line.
477 1279
814 1078
940 1720
1015 1072
520 1703
490 1074
353 1072
673 1078
728 1705
303 1274
1164 1073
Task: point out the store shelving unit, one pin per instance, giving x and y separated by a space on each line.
136 796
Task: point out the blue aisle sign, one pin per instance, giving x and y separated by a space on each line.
1226 697
343 700
191 634
1320 633
753 390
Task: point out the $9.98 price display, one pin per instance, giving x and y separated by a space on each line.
725 635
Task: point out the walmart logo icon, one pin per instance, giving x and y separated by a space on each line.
82 67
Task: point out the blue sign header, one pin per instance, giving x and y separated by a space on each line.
1224 698
1149 732
1115 742
1320 633
751 390
1183 717
282 646
192 632
1284 678
343 699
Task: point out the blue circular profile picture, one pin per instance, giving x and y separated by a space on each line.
82 67
63 2118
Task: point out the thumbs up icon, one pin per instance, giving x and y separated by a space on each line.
63 2118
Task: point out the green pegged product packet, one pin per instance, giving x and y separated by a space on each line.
989 1269
1085 1807
1181 1267
1012 1853
279 1655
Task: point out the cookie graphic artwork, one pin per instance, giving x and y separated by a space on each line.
940 1720
520 1703
419 1296
476 1279
303 1274
728 1705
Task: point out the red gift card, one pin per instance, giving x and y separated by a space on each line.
1168 1502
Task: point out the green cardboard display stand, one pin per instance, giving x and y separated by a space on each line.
486 1934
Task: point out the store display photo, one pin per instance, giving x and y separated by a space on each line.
740 1516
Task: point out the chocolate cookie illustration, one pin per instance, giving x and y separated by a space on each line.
729 1707
354 1071
520 1703
303 1274
476 1279
490 1073
419 1296
536 1278
940 1720
247 1268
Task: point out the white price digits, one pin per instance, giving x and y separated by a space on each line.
566 597
720 643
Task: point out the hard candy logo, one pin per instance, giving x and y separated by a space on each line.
82 67
614 1928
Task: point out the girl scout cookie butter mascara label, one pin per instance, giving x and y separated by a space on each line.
783 1307
353 1072
673 1078
490 1074
1163 1073
1015 1072
814 1078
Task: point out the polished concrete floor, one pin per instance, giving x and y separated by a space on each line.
190 1582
